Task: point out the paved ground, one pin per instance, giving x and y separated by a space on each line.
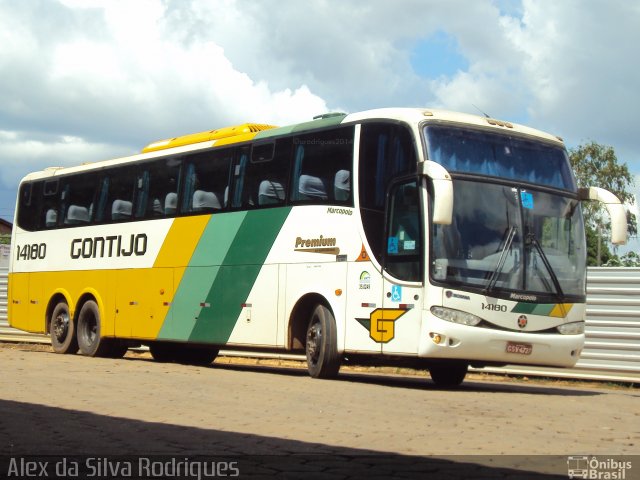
290 424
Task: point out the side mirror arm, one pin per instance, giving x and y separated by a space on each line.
442 191
615 208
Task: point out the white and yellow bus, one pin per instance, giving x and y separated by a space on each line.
394 236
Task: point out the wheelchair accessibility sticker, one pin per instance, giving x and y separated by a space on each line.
396 293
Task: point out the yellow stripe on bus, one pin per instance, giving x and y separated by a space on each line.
181 241
561 310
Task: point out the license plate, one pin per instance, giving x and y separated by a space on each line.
519 348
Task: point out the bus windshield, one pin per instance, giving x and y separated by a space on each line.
504 237
507 236
504 156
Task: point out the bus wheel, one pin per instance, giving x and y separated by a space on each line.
62 330
163 352
200 356
89 339
448 374
321 348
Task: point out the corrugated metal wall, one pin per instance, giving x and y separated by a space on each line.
3 297
613 320
612 349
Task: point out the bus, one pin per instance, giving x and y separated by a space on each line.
392 236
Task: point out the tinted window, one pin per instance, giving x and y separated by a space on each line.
156 188
76 199
404 233
505 156
206 181
387 151
261 174
322 167
29 212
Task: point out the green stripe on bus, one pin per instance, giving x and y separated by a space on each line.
220 275
534 309
236 277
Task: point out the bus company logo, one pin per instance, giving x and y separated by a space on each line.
317 245
111 246
522 321
365 281
382 323
582 466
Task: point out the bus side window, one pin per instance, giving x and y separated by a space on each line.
30 199
50 204
78 195
120 195
157 188
260 179
206 180
322 167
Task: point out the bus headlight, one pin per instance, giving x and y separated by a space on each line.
573 328
456 316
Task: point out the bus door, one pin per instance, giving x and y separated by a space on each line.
400 316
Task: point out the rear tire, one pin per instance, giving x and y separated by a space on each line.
163 352
448 374
62 330
200 356
321 346
185 354
89 333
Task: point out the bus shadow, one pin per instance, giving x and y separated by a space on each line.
93 443
419 382
397 381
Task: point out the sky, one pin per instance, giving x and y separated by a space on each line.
88 80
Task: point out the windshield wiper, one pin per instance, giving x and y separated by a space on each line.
511 234
531 239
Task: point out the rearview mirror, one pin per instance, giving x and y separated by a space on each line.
615 208
442 191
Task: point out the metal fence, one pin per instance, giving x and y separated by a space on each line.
612 348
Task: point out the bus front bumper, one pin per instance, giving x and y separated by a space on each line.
446 340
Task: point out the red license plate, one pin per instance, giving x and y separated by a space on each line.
519 348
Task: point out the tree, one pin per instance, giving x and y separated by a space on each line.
629 259
596 165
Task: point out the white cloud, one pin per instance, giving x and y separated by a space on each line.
118 74
36 154
570 66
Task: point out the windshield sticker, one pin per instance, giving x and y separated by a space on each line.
527 200
409 245
392 245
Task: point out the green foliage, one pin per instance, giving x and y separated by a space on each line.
592 249
596 165
629 259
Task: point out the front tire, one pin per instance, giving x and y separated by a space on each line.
448 374
62 330
89 334
323 360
